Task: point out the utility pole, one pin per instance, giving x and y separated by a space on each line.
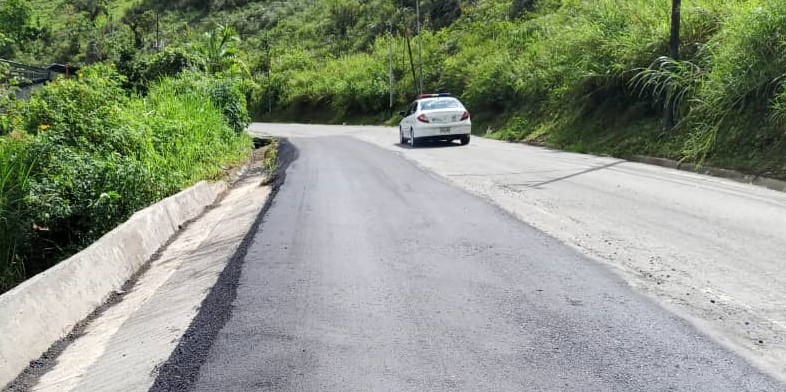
674 42
674 53
158 45
412 64
392 78
267 72
109 18
420 46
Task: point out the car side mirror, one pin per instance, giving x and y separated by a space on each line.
402 114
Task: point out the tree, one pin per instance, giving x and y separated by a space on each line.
220 50
92 8
342 16
519 7
16 19
141 21
443 13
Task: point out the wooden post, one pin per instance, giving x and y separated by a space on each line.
674 53
392 79
674 43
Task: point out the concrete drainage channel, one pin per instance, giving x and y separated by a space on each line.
108 317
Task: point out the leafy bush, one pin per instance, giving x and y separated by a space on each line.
15 25
81 113
228 96
76 196
145 69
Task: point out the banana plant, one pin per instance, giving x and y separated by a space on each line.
221 51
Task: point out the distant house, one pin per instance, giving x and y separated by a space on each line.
27 78
65 70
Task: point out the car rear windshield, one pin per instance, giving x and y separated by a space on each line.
442 103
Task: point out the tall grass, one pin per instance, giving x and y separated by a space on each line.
669 83
187 138
729 94
14 181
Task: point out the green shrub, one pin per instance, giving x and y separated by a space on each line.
228 96
81 113
76 196
145 69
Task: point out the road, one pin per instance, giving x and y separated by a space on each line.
707 248
370 273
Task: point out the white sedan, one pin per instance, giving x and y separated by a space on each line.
435 117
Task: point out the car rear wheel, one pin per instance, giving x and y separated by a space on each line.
413 141
464 140
401 138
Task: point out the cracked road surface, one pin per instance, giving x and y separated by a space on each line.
371 274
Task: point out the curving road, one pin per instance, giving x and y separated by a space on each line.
369 273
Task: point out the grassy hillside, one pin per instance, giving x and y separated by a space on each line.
583 75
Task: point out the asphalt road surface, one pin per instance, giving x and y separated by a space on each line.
371 274
708 248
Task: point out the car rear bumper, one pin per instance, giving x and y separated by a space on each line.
442 131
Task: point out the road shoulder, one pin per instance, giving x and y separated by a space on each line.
124 344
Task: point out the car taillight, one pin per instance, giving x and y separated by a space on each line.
422 118
465 116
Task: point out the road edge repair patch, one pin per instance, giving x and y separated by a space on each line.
180 371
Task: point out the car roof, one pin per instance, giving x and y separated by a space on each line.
437 99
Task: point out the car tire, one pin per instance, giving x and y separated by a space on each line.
413 141
401 138
464 140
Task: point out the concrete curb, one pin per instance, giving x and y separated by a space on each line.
46 307
769 183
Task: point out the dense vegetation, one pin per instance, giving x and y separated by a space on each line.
585 75
84 153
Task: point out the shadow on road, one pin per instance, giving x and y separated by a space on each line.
427 144
562 178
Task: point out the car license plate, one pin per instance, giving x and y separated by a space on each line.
444 130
